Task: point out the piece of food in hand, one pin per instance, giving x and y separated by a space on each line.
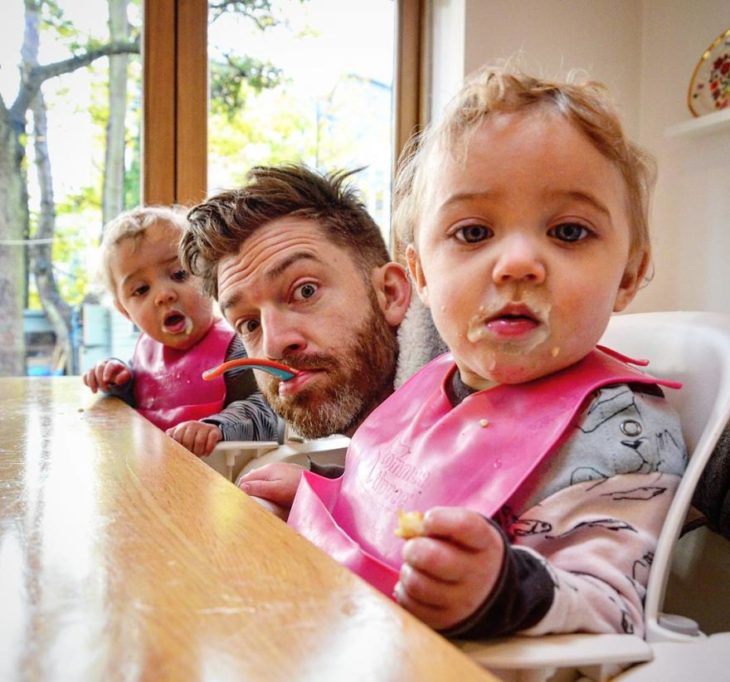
410 524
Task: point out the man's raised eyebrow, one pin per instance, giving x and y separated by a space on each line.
228 302
279 268
270 274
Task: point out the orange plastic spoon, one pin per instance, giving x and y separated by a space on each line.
278 369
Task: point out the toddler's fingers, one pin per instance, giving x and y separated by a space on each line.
122 376
201 433
440 559
90 381
181 434
263 488
465 527
286 472
108 372
429 606
424 588
273 490
268 472
214 436
115 373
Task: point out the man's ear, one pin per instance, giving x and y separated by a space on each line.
121 309
417 275
631 281
393 291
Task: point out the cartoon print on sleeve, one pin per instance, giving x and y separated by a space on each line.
600 448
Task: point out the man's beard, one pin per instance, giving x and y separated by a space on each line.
359 377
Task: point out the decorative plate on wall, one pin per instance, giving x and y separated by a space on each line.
709 89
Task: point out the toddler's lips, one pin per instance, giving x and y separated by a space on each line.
512 326
513 322
175 323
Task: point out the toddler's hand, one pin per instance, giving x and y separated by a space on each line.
198 437
276 482
107 373
449 571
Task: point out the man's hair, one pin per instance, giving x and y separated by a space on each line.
134 224
219 226
584 103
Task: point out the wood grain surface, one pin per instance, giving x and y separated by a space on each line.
123 557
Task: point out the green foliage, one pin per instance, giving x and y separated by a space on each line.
272 128
76 239
230 81
133 174
259 11
52 17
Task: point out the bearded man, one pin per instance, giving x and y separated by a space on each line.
302 273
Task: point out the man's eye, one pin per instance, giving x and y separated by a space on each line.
304 291
471 234
180 275
248 327
569 232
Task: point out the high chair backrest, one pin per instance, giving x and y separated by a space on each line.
694 348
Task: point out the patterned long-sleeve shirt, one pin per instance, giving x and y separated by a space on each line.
581 534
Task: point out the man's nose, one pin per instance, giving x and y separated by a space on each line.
282 332
519 259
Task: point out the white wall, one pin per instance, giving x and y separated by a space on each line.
645 51
691 213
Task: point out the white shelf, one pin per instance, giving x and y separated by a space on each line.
702 125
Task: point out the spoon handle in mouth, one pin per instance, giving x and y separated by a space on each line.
278 369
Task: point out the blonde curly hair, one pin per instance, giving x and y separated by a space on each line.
134 224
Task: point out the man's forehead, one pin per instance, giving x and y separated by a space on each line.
279 236
270 253
264 252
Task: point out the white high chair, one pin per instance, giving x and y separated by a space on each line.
237 457
694 348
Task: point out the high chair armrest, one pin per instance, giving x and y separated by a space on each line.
229 457
537 658
330 450
705 658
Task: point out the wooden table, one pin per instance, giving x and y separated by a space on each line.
123 557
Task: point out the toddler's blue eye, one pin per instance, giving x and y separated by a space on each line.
180 275
471 234
569 232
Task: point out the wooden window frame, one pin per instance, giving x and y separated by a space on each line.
175 119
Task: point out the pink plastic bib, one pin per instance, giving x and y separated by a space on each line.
417 451
168 383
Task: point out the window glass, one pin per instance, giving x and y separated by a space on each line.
303 80
70 136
